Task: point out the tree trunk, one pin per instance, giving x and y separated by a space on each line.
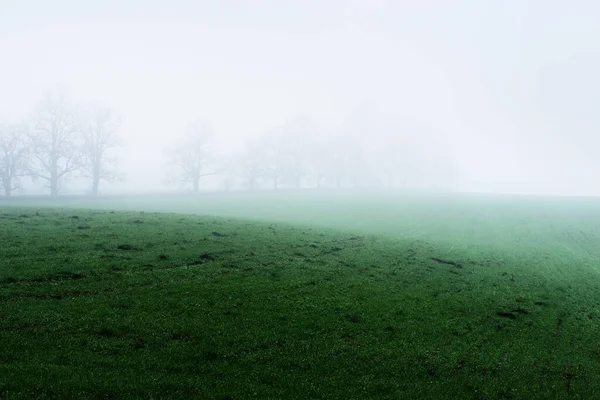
54 185
95 179
7 186
196 183
54 177
95 185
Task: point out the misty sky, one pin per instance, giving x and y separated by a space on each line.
513 85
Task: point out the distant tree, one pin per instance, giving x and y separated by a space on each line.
297 135
286 152
321 161
341 164
190 156
99 134
274 160
14 157
55 142
266 158
251 164
351 148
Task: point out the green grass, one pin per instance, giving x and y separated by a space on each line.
345 296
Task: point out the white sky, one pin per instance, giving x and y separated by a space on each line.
514 84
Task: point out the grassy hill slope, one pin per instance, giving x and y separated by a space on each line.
134 304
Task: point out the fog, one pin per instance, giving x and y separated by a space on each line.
473 95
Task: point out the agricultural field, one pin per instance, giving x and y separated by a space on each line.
301 295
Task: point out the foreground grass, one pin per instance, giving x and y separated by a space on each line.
101 304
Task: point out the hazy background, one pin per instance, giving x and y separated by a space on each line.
508 89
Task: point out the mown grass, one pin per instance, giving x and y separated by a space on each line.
99 304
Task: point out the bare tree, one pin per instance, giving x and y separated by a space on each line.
319 161
297 135
285 153
190 157
14 157
350 150
99 136
267 156
253 164
55 142
339 163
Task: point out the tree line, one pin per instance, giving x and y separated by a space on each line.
62 140
301 154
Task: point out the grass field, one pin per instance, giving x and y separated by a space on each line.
301 295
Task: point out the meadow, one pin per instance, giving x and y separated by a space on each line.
318 295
